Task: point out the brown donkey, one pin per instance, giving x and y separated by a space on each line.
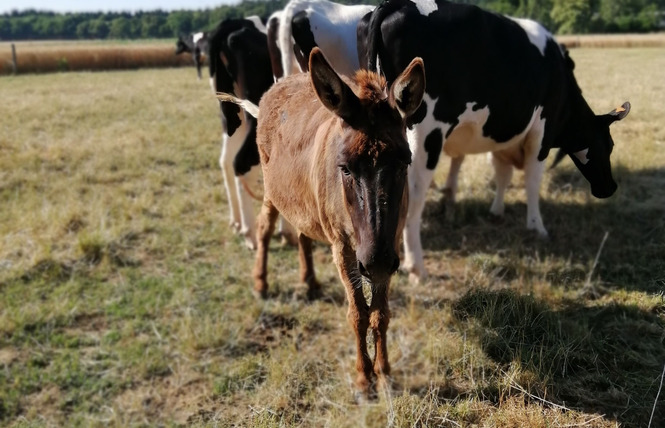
334 156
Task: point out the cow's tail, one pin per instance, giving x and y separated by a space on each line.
285 35
374 36
247 105
560 155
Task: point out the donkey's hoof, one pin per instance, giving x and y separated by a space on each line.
260 291
314 292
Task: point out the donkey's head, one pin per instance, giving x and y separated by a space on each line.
372 155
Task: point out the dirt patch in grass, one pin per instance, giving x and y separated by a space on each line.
8 355
171 398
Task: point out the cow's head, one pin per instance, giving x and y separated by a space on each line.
372 155
592 157
182 45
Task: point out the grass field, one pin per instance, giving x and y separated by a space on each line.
125 300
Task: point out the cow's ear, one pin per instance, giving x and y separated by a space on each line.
409 88
334 94
618 113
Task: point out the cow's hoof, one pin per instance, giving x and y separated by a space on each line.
496 219
250 243
289 239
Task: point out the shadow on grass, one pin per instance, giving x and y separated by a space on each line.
605 359
632 258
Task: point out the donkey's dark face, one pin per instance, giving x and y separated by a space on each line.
373 156
375 192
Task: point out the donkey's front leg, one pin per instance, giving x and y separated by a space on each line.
265 228
307 274
379 317
357 315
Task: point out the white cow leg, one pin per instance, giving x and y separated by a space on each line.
450 189
533 175
287 232
503 173
226 163
419 179
248 220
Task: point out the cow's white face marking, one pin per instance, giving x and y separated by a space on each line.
196 37
581 156
258 23
425 7
537 34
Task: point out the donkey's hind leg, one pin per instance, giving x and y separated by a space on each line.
307 274
264 230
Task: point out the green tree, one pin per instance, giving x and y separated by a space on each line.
98 29
628 15
83 30
571 16
120 28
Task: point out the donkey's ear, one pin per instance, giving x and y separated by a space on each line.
409 88
334 94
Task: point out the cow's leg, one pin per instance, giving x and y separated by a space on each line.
533 176
450 189
358 313
226 163
246 186
379 317
307 274
503 173
288 233
265 228
420 175
197 60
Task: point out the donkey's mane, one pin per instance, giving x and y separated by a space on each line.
371 87
380 119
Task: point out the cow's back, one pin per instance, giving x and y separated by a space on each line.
472 56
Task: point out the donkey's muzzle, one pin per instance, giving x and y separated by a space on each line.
379 268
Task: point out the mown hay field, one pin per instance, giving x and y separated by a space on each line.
62 55
125 299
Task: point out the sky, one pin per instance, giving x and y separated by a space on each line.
109 5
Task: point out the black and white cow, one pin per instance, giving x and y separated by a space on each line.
304 24
196 44
494 84
240 65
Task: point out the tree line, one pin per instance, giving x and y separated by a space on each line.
560 16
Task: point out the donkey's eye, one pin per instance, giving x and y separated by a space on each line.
345 170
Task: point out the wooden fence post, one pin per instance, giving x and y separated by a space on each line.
14 67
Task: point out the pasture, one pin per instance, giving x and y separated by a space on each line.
125 300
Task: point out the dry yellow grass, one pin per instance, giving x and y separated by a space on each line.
125 300
613 40
39 57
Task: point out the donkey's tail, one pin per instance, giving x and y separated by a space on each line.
247 105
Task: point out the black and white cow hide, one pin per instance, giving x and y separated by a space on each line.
197 45
304 24
494 84
240 65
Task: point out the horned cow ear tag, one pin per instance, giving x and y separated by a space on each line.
619 109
